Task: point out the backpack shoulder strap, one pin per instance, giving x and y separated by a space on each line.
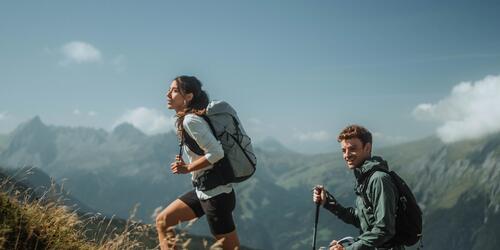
365 182
366 179
205 117
191 143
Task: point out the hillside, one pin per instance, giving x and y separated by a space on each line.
456 184
33 220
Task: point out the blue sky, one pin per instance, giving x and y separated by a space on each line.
298 71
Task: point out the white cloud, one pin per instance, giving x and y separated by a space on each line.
3 116
80 52
317 136
472 110
76 112
150 121
92 113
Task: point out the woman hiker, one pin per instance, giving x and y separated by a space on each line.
189 101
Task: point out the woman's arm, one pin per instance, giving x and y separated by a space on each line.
198 129
180 167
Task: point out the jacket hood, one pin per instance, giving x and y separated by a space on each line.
375 161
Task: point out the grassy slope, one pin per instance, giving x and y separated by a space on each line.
34 223
30 226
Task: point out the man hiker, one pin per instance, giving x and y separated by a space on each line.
377 221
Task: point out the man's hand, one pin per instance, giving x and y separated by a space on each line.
334 245
179 166
319 195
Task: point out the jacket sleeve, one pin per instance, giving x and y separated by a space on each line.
382 193
199 130
348 215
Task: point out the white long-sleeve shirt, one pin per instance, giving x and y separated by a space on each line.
199 130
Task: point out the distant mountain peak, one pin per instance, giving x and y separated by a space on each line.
35 138
34 122
34 125
127 130
36 119
273 145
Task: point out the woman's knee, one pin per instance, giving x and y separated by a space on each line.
162 221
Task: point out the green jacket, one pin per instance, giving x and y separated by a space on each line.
377 225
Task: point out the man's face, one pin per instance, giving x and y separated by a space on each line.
354 153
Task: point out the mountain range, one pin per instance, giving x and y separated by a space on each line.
457 185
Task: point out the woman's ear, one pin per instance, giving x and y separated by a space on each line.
188 97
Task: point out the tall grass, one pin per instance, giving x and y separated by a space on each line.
44 222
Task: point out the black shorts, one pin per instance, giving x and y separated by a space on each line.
219 210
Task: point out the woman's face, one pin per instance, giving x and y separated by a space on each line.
175 100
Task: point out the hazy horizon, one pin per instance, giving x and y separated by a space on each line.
266 142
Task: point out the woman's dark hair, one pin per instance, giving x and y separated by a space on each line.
197 105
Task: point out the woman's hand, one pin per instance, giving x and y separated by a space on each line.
179 166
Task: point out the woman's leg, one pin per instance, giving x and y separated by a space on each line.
176 212
219 211
230 240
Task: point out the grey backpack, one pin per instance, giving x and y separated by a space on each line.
239 159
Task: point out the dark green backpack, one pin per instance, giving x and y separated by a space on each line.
408 213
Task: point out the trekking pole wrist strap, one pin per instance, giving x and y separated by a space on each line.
331 204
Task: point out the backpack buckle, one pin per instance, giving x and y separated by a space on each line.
403 201
195 183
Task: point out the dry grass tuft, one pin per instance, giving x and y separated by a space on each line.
29 221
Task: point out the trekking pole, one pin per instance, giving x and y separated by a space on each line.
316 217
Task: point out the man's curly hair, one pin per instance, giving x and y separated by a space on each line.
355 131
